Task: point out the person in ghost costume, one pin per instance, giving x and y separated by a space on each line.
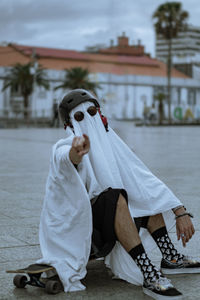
102 201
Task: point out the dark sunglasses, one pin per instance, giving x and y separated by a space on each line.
79 115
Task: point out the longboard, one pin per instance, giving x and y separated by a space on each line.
34 272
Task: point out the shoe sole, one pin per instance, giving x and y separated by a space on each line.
160 297
180 271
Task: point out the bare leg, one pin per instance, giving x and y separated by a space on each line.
156 226
155 222
128 236
125 228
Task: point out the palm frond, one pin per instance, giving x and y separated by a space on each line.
169 19
20 76
78 78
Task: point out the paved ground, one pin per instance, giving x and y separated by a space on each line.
172 153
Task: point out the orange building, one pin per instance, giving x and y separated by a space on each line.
128 77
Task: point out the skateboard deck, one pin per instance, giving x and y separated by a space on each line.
34 272
32 269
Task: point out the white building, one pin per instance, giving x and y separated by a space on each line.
185 51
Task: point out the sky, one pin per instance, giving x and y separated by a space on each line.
76 24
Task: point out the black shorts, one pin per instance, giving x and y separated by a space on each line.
103 212
141 222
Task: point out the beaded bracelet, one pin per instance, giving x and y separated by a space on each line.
185 214
176 208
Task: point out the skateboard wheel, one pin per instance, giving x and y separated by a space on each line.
20 281
53 287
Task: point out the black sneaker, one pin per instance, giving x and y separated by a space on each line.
181 266
161 289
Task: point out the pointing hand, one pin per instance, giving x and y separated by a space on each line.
80 147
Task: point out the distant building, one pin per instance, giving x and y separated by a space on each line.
129 79
185 51
124 48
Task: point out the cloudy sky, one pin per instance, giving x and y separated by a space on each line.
75 24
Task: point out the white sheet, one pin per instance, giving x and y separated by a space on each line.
66 220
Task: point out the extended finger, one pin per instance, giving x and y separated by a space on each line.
78 145
77 141
74 141
80 141
183 237
87 140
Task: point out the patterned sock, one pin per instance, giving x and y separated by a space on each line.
140 257
165 245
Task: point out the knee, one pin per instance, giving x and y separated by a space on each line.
156 217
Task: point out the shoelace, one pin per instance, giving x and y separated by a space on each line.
164 281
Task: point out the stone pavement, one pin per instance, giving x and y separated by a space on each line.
172 153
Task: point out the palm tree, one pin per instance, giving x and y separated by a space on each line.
20 77
170 19
78 78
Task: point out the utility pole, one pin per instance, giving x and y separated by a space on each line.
33 72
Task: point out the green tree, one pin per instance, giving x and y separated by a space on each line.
78 78
169 19
20 77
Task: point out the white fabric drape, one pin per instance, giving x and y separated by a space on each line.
66 220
